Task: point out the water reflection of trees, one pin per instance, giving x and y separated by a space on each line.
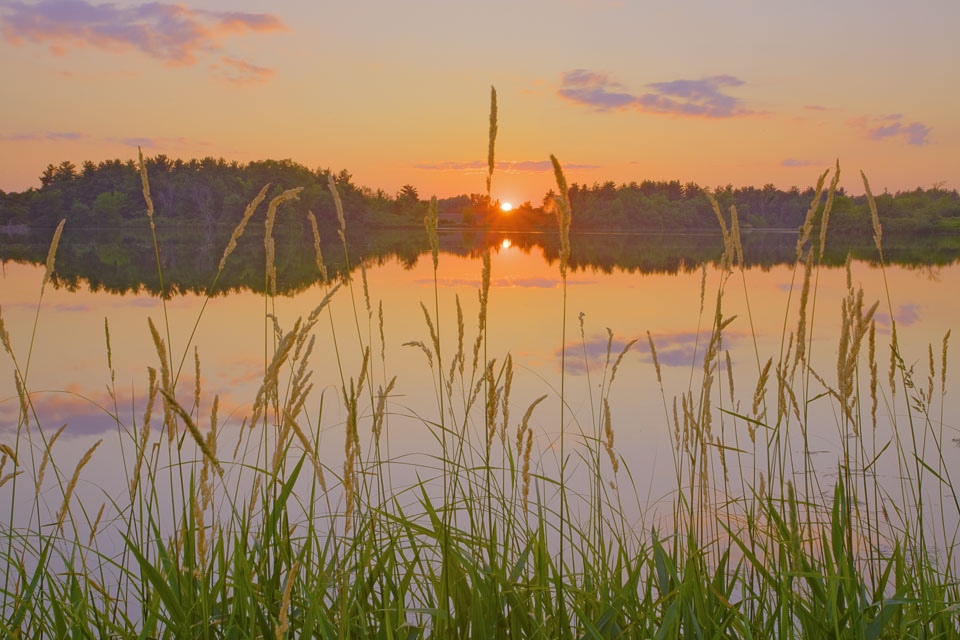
122 260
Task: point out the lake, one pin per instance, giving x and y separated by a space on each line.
627 284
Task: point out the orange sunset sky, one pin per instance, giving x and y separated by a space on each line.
741 92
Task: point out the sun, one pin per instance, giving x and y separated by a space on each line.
506 207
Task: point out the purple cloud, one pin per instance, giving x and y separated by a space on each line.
703 98
70 136
241 72
507 166
892 126
48 135
173 33
146 143
158 143
594 89
793 162
915 133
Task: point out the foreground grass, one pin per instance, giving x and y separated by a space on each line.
245 532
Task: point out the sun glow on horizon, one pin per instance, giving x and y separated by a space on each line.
506 207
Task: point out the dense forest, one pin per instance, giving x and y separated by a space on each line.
212 192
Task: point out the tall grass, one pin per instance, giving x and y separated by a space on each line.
274 541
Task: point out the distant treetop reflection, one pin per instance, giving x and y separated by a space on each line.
122 260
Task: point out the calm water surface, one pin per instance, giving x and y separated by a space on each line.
69 380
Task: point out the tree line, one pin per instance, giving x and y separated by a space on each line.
209 192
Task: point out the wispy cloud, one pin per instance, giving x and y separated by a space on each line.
893 126
159 143
73 136
703 98
794 162
915 133
241 72
817 107
594 89
507 166
172 33
47 135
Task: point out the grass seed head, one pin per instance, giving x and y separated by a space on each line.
423 347
430 222
564 215
608 432
65 507
4 336
145 185
616 363
874 216
943 363
526 470
238 230
826 209
729 252
492 139
268 242
505 402
96 524
194 431
318 253
807 226
872 357
46 457
523 427
802 320
332 185
735 234
653 354
284 619
52 253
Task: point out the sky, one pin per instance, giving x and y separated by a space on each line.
739 92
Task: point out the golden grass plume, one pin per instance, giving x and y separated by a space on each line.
194 431
492 139
268 242
52 253
46 457
238 231
64 508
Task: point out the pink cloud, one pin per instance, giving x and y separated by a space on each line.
59 136
241 72
892 126
915 133
794 162
173 33
703 98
